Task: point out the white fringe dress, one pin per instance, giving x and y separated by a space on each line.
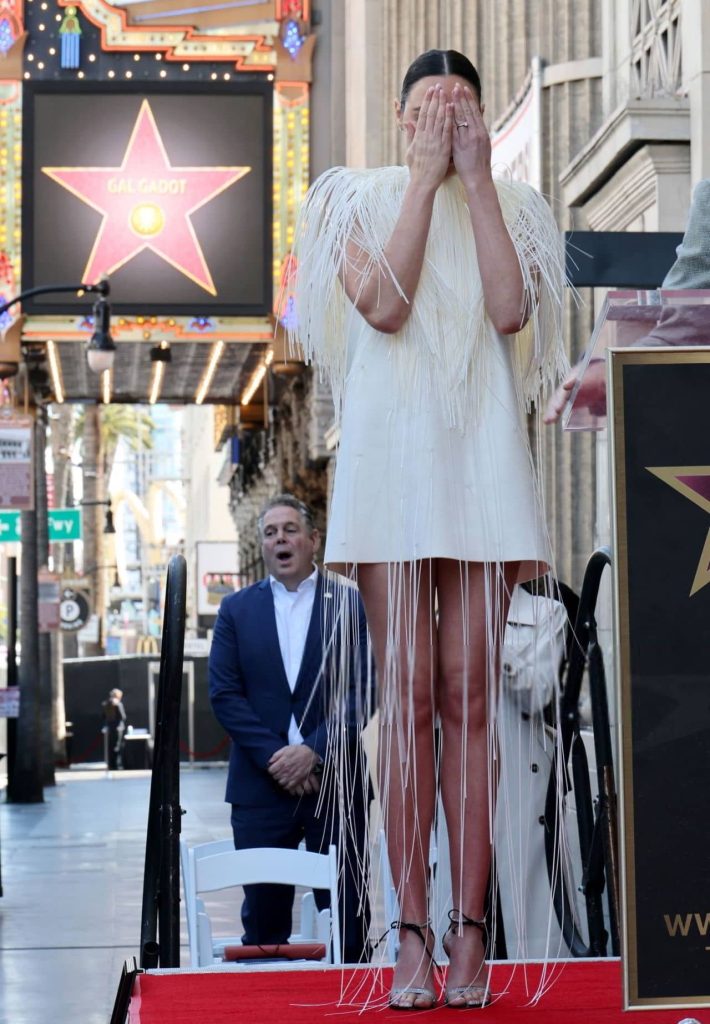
434 459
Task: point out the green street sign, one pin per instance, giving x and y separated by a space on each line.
64 524
9 527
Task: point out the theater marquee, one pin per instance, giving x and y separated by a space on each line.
168 193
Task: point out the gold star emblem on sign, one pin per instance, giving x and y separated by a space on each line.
147 203
693 482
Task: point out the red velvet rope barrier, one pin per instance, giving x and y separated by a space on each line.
89 750
205 755
199 755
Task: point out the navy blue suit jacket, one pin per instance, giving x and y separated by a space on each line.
249 690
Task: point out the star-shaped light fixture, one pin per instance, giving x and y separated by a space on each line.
693 482
147 203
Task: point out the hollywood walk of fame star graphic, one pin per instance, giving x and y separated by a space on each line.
146 203
692 482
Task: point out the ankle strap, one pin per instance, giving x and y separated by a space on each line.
457 918
410 926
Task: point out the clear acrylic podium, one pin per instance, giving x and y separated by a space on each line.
633 319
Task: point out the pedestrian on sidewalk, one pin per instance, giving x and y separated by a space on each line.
114 729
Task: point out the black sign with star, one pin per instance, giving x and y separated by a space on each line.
165 190
661 433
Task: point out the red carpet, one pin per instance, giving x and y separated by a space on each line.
583 992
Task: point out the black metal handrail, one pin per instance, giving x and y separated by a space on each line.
596 822
160 917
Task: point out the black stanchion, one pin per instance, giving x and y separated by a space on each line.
151 955
596 822
160 917
605 823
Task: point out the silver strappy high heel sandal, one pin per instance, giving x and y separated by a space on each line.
473 995
414 992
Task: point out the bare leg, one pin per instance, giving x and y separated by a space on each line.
473 608
399 605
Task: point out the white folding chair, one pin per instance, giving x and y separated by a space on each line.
194 907
314 924
263 865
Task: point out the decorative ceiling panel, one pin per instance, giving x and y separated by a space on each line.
133 369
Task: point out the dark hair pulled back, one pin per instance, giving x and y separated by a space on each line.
440 62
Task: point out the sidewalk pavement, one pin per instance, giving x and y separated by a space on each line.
72 874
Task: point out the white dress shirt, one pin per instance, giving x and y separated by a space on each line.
293 609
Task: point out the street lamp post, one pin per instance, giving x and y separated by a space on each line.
46 681
102 288
108 525
101 348
26 782
94 571
34 722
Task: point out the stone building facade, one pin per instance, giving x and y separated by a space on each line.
289 454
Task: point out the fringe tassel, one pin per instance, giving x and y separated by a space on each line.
443 348
443 343
517 745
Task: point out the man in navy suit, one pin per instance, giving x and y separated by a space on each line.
282 662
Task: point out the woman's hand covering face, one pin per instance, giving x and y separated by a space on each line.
430 140
471 142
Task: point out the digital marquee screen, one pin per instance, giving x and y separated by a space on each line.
167 192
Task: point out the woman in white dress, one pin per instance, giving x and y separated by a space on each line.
431 296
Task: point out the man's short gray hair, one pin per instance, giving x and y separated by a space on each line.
289 501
